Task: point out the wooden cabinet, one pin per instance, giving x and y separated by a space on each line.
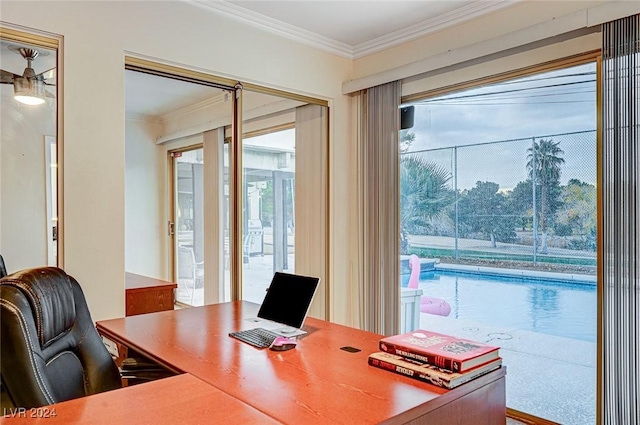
147 295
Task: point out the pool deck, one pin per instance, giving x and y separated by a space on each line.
448 243
548 376
531 274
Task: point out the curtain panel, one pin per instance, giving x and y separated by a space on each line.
620 327
379 164
311 211
213 143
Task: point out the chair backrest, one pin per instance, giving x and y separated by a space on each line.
3 268
49 348
186 262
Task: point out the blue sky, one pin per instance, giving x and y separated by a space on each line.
551 103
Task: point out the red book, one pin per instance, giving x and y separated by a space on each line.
444 351
429 373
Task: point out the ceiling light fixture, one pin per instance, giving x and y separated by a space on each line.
29 91
28 88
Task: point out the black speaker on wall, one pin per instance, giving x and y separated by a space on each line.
406 117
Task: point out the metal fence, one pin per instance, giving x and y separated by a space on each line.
480 201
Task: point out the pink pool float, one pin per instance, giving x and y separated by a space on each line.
429 305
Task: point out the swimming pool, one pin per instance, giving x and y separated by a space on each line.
539 305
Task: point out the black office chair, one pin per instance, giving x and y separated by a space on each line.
49 349
3 268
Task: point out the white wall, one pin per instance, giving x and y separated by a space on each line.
145 200
23 221
96 37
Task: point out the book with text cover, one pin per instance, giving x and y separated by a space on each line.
444 351
429 373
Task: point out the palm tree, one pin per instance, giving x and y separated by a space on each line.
424 194
545 155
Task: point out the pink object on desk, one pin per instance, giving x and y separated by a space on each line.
282 344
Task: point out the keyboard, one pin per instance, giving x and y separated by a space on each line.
258 337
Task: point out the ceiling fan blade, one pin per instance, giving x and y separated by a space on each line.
6 77
48 74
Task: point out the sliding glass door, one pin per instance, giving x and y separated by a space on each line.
499 230
176 183
232 215
284 191
200 221
188 186
269 166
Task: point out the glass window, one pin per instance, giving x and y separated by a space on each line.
498 231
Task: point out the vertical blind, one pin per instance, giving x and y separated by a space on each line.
620 370
380 204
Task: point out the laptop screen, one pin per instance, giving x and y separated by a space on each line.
288 299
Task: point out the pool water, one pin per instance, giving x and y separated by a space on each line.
544 306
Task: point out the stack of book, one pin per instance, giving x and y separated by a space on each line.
442 360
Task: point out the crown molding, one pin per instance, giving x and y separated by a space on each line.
437 23
196 107
187 110
277 27
135 116
292 32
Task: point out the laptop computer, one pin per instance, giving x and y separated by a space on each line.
286 304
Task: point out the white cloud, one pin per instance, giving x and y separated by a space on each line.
553 103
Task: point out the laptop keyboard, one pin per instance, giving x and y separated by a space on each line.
257 337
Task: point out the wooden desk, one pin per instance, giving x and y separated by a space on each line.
316 383
147 295
181 399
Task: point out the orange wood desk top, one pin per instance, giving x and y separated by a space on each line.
315 383
134 281
182 399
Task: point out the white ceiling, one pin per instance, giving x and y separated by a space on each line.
12 61
351 22
353 28
152 96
